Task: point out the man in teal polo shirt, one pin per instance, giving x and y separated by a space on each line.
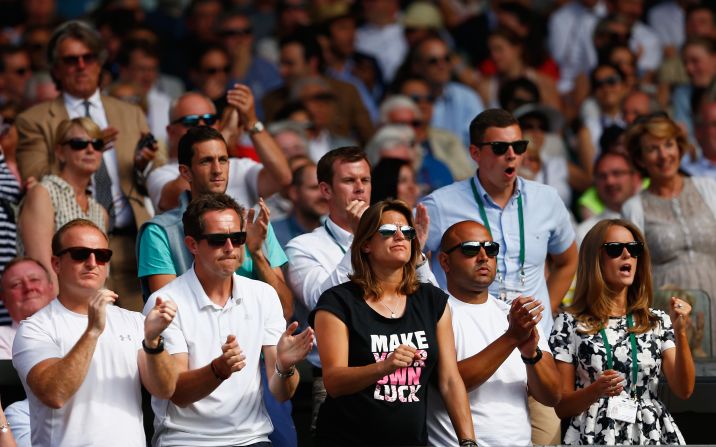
204 163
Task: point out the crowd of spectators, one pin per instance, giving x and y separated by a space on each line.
125 112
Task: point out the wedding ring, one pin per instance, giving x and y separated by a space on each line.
679 305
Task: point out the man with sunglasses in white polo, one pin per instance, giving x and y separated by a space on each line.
225 325
81 360
527 219
501 351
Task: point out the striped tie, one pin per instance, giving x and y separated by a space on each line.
102 181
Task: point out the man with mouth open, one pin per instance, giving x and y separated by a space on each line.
527 219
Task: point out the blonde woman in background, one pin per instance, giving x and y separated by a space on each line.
60 198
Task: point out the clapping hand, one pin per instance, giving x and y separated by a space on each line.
97 311
158 319
610 383
256 230
525 313
422 224
291 349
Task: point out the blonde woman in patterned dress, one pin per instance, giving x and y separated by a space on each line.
611 346
60 198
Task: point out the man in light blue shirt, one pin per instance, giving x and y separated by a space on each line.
455 104
526 218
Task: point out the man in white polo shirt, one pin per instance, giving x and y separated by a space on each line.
226 323
81 360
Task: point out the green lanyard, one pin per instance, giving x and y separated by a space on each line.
634 352
325 225
486 222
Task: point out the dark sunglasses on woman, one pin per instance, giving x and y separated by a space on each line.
615 249
389 230
219 239
101 255
472 248
79 144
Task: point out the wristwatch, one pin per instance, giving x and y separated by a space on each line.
157 350
534 359
256 128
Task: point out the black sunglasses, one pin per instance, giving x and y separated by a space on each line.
236 32
500 147
609 80
434 60
193 120
615 249
101 255
214 70
78 144
87 58
472 248
389 230
422 98
219 239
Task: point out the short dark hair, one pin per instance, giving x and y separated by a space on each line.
346 154
131 45
57 237
490 118
297 175
307 40
9 50
193 218
602 156
506 93
194 136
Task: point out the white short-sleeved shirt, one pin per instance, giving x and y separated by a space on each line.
499 406
7 336
106 410
242 182
234 413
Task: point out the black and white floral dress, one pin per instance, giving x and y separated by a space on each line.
654 424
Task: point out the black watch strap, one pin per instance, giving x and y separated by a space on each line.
534 359
157 350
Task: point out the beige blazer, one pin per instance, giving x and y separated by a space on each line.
36 155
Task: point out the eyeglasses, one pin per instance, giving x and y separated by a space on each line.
74 61
214 70
193 120
389 230
422 98
219 239
236 32
615 249
78 144
434 60
642 119
500 147
101 255
610 80
472 248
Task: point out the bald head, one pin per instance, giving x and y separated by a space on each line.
191 103
469 273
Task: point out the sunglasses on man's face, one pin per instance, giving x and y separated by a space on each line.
219 239
615 249
74 61
610 80
389 230
193 120
211 71
78 144
101 255
472 248
500 147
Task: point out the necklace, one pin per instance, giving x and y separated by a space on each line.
392 312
